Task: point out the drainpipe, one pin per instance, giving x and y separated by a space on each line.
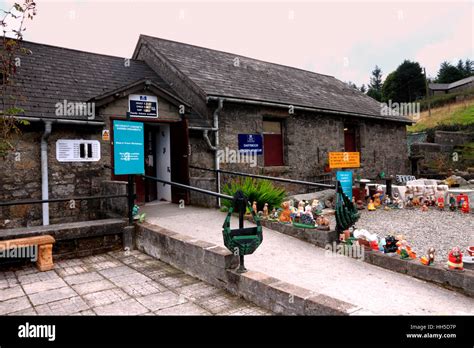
44 171
215 148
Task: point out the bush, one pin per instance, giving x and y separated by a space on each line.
261 191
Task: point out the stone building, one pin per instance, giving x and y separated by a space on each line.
205 100
453 87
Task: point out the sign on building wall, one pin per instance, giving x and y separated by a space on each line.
128 148
250 142
77 150
345 178
143 106
344 160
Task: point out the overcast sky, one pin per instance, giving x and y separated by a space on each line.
342 39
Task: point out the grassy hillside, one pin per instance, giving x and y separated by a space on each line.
461 113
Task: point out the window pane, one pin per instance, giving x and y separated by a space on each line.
272 127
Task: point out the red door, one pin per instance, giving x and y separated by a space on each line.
273 149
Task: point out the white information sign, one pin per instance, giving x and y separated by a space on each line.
71 150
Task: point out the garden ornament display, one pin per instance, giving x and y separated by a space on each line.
428 259
241 241
285 215
455 259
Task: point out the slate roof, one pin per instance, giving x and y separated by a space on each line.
53 74
215 74
448 86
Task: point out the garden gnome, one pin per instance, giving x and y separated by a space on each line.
428 259
452 202
322 222
254 207
307 211
301 208
404 250
371 206
455 259
397 202
265 210
285 215
465 207
440 203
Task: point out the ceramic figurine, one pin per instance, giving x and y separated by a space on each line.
254 207
285 215
452 202
404 250
390 244
397 202
455 259
300 211
440 203
307 211
408 194
360 205
465 207
376 200
424 207
307 219
382 244
265 210
292 207
322 222
371 206
428 259
274 214
416 201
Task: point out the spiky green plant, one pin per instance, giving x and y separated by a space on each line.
261 191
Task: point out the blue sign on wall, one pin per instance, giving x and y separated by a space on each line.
345 178
250 142
128 148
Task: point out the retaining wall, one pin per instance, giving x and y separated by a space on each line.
216 265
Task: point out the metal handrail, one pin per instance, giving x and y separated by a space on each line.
52 200
256 176
190 188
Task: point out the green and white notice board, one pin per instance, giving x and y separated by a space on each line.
128 148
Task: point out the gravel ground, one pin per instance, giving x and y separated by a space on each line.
442 230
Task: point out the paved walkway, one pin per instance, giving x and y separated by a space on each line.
116 283
374 289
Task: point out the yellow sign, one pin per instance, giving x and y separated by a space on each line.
344 160
105 135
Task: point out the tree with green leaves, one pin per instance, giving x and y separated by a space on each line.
449 73
375 85
11 51
405 84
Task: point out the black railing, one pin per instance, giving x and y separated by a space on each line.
53 200
272 178
190 188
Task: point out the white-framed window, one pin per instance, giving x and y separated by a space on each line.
77 150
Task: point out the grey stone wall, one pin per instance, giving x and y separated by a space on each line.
21 180
308 138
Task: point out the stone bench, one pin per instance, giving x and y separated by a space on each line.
43 251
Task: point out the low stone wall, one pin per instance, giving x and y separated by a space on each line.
215 265
462 281
310 235
114 207
76 239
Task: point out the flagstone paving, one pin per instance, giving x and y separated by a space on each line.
117 283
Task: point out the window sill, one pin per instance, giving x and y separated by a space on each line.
273 170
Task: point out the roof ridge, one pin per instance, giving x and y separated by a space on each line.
239 55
